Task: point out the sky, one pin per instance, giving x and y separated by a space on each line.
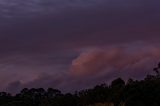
75 44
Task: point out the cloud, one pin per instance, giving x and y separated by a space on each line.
98 65
105 22
24 9
14 87
48 36
125 61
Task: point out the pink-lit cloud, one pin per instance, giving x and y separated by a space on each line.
98 65
121 59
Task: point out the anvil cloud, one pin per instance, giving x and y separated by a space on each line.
61 43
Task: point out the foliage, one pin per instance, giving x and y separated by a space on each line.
133 93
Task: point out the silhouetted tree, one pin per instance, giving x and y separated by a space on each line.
134 93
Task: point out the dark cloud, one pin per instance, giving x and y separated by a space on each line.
99 65
14 87
46 36
100 24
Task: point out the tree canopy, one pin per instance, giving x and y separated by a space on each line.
144 92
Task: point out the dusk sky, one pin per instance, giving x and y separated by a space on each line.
75 44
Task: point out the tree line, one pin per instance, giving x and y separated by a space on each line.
144 92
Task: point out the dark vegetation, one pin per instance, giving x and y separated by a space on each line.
120 93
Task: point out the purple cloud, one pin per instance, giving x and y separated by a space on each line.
59 37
